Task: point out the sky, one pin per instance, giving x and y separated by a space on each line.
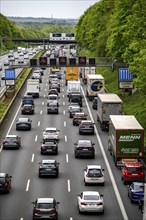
45 8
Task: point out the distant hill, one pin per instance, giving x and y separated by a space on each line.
29 21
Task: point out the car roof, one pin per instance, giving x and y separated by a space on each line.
14 135
2 174
90 193
94 166
139 183
80 113
45 200
48 161
23 119
133 165
86 121
51 128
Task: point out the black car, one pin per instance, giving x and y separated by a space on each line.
45 208
86 127
49 168
84 148
11 141
53 108
23 124
49 147
94 103
78 117
54 86
53 91
27 99
27 109
5 182
73 110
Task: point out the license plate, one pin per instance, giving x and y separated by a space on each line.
134 174
85 149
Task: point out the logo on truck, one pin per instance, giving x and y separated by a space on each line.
131 137
96 86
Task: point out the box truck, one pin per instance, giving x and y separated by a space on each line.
126 139
33 87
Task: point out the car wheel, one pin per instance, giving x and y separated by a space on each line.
79 211
102 212
131 200
80 132
93 156
125 182
39 175
76 156
86 184
41 153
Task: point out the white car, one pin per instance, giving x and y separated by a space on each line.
93 174
90 201
51 134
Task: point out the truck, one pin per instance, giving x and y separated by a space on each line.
33 87
108 104
73 86
71 74
95 85
126 139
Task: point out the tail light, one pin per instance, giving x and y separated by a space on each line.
87 175
91 148
100 203
83 203
53 211
37 211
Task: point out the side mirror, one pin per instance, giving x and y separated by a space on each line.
75 143
101 195
33 203
102 169
10 176
58 202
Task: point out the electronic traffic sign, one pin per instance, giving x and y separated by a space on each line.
10 74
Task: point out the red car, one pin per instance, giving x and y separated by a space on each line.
133 172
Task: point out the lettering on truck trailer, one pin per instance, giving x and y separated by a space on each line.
131 137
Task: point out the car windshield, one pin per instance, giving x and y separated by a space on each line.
135 169
91 197
45 205
139 187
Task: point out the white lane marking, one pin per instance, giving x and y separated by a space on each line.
63 103
67 160
38 123
68 185
64 112
41 112
70 218
36 138
11 124
44 95
27 186
46 83
62 90
64 123
21 218
45 90
62 85
120 202
42 103
65 138
63 95
32 158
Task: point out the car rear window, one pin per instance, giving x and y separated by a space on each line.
95 171
91 197
135 169
45 205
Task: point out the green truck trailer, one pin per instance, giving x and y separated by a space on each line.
126 139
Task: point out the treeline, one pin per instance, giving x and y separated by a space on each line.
117 28
9 30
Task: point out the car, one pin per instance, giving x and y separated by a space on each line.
141 205
76 98
51 133
84 148
49 168
49 147
73 110
11 141
3 76
53 91
132 172
6 62
86 127
55 86
5 182
45 208
71 105
94 103
1 67
52 98
90 202
93 174
78 117
27 109
53 108
23 124
26 56
37 75
27 99
12 59
136 191
20 60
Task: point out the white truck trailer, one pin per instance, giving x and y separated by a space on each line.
33 87
95 85
73 86
108 104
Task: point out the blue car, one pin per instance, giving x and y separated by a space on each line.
136 191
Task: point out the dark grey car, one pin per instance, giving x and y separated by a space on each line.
53 108
49 168
11 141
23 124
86 127
49 147
84 148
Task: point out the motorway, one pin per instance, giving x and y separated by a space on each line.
23 166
